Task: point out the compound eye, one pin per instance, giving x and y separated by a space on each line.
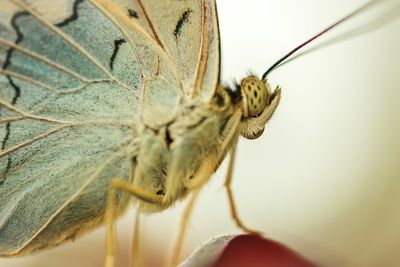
255 94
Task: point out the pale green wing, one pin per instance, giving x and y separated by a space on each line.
74 84
188 32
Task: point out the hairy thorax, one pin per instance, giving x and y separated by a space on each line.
182 154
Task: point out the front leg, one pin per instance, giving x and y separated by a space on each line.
232 205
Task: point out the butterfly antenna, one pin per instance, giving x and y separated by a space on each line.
349 16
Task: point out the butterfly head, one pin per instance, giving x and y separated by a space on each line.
258 105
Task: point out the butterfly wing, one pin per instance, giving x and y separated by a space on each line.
76 79
188 32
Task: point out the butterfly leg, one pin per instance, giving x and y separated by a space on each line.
175 254
136 249
232 205
111 214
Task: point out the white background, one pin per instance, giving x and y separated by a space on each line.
324 177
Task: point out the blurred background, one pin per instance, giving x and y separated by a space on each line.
324 178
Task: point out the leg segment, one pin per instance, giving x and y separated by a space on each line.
111 214
136 256
232 205
182 229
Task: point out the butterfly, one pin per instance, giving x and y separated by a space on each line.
100 92
104 102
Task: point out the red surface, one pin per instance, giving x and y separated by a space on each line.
255 251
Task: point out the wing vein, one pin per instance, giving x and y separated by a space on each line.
31 141
146 15
6 120
68 39
203 54
27 79
66 125
43 59
102 4
73 197
30 116
119 26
